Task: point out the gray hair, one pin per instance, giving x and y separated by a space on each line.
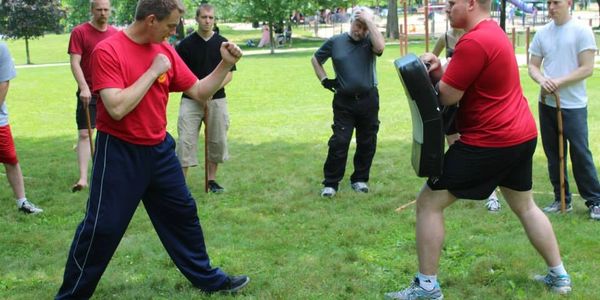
362 9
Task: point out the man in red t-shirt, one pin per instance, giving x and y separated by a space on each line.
496 145
83 39
134 71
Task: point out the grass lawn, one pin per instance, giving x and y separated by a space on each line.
271 223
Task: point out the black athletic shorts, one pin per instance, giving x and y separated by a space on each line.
473 172
80 117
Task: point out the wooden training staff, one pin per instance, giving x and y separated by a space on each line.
89 128
561 154
206 146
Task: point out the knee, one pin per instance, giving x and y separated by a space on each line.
342 135
369 136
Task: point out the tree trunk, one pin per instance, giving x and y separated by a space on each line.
391 29
27 50
272 43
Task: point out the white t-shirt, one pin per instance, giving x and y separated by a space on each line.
7 72
559 46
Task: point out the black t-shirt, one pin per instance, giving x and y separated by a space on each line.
353 62
201 56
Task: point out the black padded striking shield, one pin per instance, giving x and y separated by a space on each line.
427 122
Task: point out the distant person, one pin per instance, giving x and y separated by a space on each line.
266 36
566 65
136 70
216 28
8 154
496 147
201 53
355 100
448 41
84 38
178 35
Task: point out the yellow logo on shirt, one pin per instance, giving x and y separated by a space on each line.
162 78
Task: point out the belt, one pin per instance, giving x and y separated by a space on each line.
356 96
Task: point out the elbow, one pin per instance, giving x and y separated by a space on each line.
588 71
114 112
115 115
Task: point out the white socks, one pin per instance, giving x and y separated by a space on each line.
558 270
427 282
20 201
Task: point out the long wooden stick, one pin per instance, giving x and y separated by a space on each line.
89 128
206 146
561 154
402 207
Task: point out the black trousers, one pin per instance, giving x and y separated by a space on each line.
359 111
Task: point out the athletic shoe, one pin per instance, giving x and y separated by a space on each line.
234 284
327 192
493 205
595 212
555 207
415 291
30 208
214 187
360 187
558 284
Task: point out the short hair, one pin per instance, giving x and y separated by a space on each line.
362 9
93 3
204 6
160 8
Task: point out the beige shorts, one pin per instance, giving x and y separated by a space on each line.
191 114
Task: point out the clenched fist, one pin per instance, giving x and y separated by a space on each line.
230 53
161 64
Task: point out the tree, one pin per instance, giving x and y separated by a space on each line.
271 11
30 19
78 11
391 28
124 11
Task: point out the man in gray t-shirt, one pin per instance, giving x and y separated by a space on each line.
355 100
562 57
8 155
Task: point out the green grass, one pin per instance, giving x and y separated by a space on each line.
271 223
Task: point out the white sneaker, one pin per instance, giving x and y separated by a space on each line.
360 187
29 208
327 192
493 205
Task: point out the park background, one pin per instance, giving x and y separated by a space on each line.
271 223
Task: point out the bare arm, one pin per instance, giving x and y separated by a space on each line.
319 70
549 85
3 91
227 80
440 44
224 83
120 102
85 95
377 40
448 95
583 71
535 72
205 88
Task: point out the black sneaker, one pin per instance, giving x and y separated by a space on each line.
234 284
214 187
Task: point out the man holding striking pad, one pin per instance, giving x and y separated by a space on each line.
498 137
